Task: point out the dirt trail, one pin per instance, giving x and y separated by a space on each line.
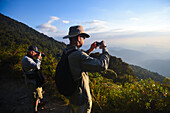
14 98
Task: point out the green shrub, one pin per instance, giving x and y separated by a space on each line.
143 96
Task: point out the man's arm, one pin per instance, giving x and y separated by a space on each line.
35 65
92 47
91 64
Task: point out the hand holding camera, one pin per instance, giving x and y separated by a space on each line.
100 44
40 55
96 44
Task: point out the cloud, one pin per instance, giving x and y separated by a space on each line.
134 19
166 10
65 21
95 22
129 12
47 27
50 29
135 40
53 18
96 26
151 21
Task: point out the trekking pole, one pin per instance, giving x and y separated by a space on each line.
97 102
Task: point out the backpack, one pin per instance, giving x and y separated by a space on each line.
63 76
38 76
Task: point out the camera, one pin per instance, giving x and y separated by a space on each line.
98 43
42 54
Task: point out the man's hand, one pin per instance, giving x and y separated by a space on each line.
103 45
39 56
93 46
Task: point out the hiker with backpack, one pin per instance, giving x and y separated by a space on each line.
71 77
33 75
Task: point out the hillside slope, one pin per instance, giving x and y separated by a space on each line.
14 33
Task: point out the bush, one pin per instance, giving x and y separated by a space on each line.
143 96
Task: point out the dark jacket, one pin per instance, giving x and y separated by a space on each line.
81 63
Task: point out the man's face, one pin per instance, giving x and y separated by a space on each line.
81 41
33 53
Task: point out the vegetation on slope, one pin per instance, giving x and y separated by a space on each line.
13 34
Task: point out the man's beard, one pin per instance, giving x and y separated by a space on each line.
79 44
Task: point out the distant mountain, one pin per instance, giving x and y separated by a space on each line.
153 61
142 73
13 34
132 56
160 66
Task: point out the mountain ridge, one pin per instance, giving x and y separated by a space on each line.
153 62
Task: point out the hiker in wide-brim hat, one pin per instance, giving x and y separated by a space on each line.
80 63
76 35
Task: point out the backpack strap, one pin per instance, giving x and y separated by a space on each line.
68 53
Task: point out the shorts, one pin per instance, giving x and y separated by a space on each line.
36 91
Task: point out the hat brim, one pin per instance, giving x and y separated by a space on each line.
70 36
37 51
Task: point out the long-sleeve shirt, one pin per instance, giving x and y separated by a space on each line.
29 65
80 63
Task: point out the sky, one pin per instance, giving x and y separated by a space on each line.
139 25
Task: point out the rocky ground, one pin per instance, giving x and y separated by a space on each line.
14 98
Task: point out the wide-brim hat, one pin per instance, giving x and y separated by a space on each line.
76 30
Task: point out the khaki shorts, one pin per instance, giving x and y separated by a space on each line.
37 92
